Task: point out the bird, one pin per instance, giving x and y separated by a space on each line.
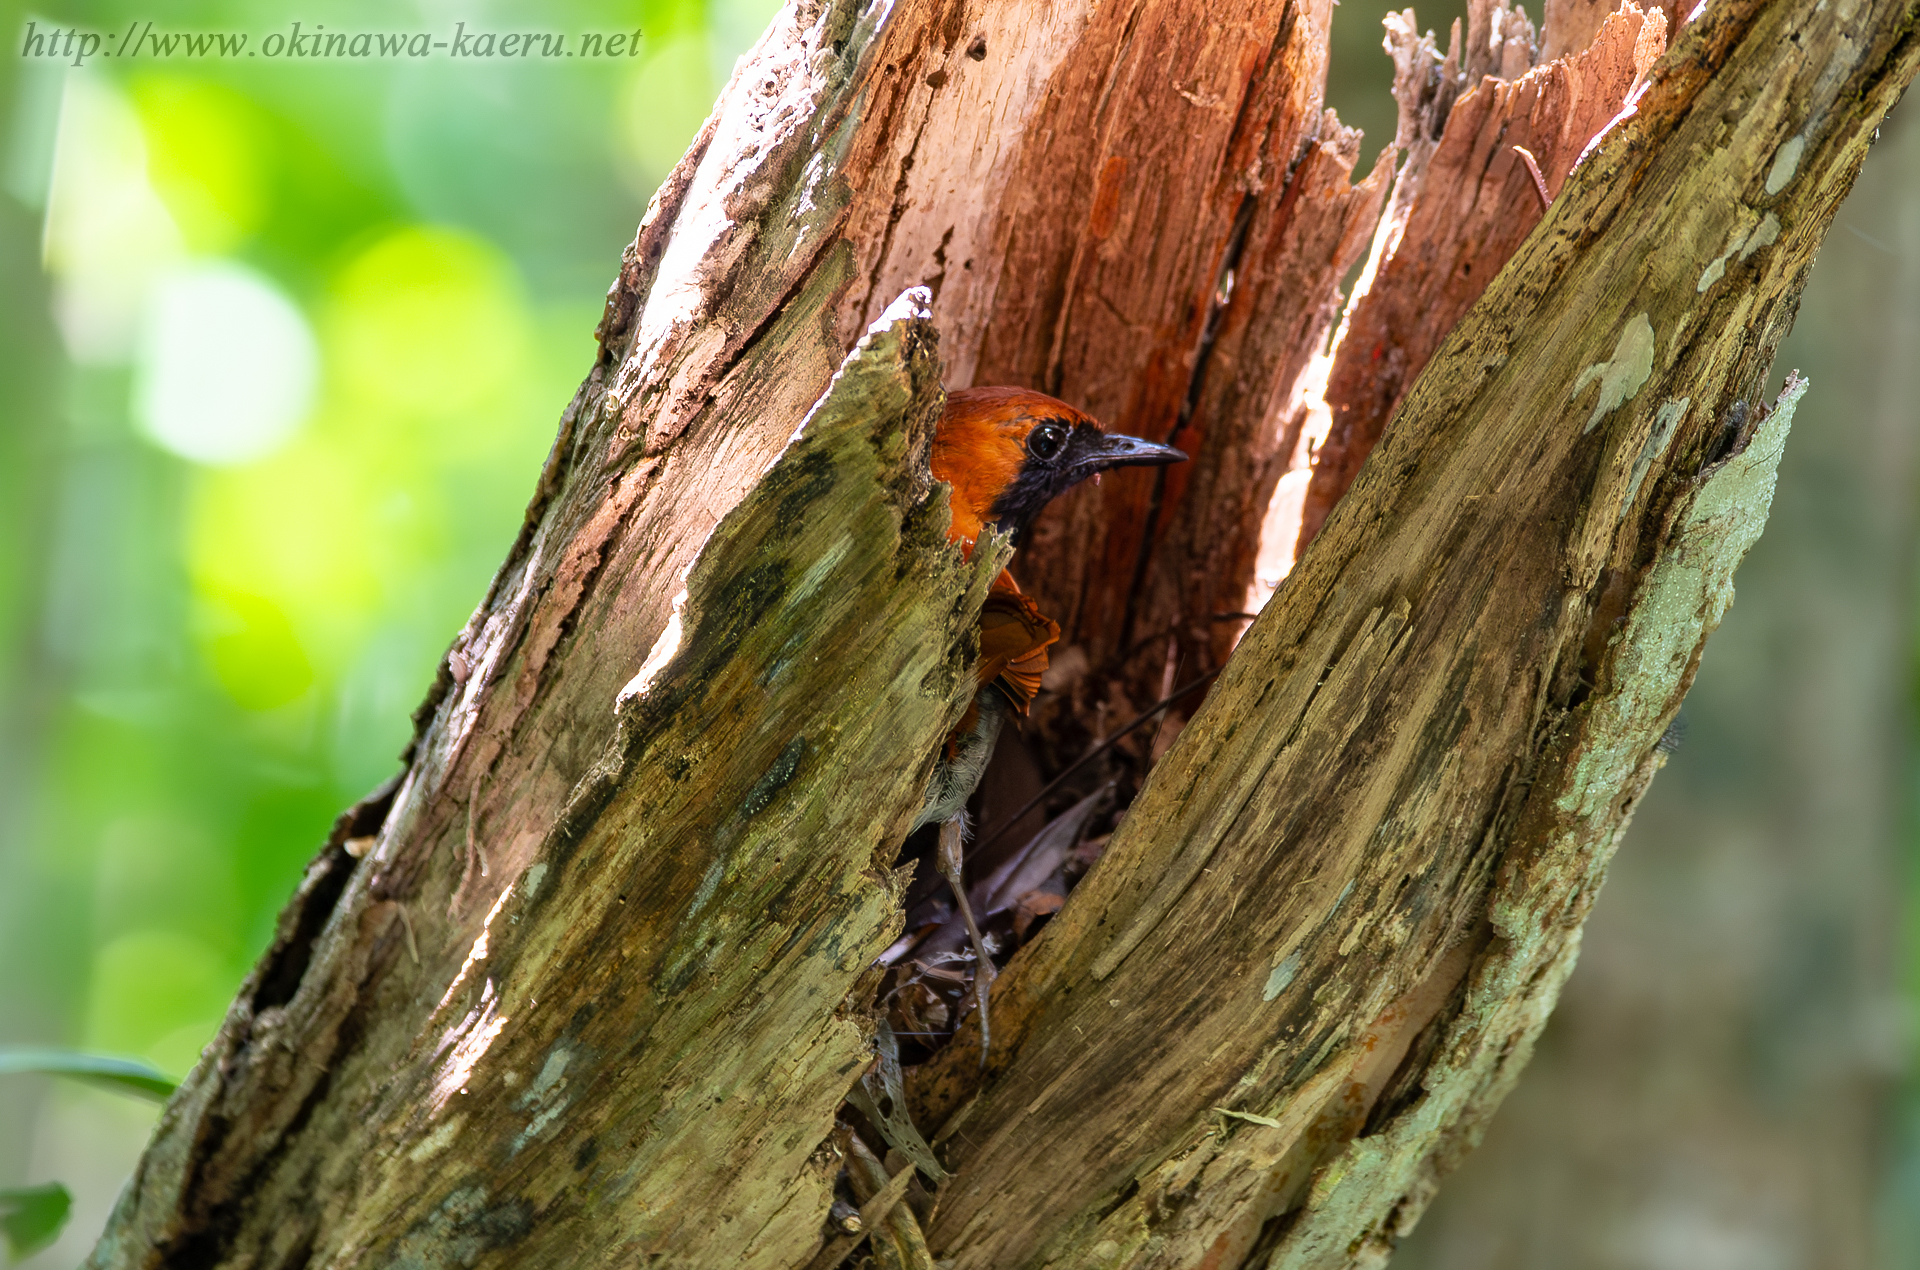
1005 453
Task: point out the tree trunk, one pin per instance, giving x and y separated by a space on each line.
586 984
1721 1081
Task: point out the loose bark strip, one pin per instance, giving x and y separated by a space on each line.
1433 738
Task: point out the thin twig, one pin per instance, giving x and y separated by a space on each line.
406 924
872 1213
1539 182
949 860
1091 755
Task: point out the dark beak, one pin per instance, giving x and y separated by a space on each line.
1097 451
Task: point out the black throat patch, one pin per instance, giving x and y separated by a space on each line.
1040 481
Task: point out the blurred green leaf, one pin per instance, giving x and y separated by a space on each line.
128 1075
31 1217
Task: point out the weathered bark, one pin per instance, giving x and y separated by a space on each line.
582 987
1409 780
1722 1078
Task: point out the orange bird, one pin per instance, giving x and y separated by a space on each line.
1006 453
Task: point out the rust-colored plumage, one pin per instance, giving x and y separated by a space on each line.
1006 453
981 445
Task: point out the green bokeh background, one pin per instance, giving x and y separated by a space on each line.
201 663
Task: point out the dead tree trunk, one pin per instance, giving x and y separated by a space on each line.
581 988
1681 1096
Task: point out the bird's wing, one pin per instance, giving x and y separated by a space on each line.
1014 635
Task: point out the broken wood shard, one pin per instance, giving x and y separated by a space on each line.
1457 216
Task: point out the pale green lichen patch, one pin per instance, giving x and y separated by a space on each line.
530 881
437 1141
1786 162
1765 234
1750 235
1682 599
1511 993
544 1097
1665 420
1623 374
1476 1066
1717 267
1282 976
465 1225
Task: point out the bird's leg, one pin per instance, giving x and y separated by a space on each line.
948 860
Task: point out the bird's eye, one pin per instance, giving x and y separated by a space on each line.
1045 441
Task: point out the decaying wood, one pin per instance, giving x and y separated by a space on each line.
1571 25
1461 207
697 703
683 891
825 631
1674 1064
1176 275
848 153
1406 786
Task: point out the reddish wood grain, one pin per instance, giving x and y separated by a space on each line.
1474 205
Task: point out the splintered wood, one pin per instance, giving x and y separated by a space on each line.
1384 829
598 971
1462 201
1172 260
1459 211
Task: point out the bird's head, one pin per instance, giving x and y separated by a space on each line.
1008 452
